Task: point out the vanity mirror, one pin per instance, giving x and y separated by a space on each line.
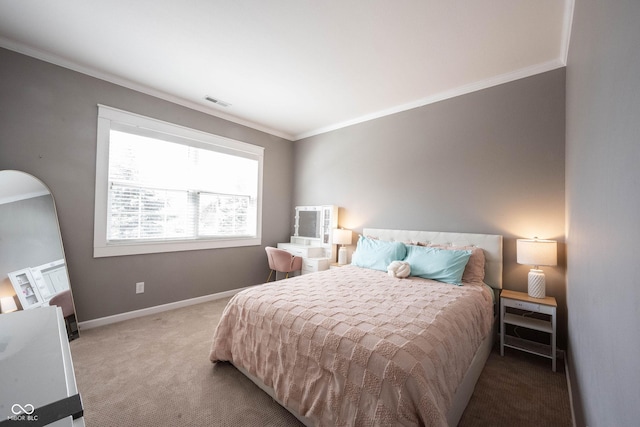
307 222
33 271
313 226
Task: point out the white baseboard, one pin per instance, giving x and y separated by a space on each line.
102 321
573 412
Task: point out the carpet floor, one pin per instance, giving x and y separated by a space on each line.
155 371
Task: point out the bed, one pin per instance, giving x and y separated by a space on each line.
356 346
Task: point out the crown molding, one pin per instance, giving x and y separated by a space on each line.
129 84
569 8
452 93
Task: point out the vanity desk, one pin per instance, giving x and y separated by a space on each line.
313 257
312 237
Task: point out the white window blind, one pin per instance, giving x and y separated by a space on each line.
171 188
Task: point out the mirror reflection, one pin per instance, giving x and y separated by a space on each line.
33 271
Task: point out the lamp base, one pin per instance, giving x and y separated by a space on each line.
342 256
536 287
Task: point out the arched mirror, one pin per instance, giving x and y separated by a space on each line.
33 270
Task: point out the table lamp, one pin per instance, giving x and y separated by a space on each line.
342 237
536 252
7 305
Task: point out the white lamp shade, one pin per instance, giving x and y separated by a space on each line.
342 236
537 252
7 305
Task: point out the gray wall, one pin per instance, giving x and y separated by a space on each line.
48 119
603 212
487 162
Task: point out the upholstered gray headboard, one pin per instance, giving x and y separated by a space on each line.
491 245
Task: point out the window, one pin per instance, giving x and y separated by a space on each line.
162 187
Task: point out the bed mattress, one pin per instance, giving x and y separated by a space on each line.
354 346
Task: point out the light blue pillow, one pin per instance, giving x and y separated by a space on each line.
444 265
377 254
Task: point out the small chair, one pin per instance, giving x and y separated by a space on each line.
282 261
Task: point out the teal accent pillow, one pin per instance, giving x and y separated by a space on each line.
443 265
377 254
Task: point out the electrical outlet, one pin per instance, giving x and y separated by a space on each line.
139 287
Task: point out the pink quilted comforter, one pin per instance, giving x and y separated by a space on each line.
353 346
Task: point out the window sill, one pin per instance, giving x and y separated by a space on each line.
151 248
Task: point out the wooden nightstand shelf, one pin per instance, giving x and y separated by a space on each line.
522 303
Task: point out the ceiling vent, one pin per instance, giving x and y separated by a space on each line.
217 101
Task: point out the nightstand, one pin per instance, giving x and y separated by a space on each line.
514 309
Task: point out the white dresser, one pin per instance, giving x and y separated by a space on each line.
38 382
313 257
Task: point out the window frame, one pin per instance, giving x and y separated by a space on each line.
112 118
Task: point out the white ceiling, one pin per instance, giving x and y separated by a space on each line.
16 185
295 68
